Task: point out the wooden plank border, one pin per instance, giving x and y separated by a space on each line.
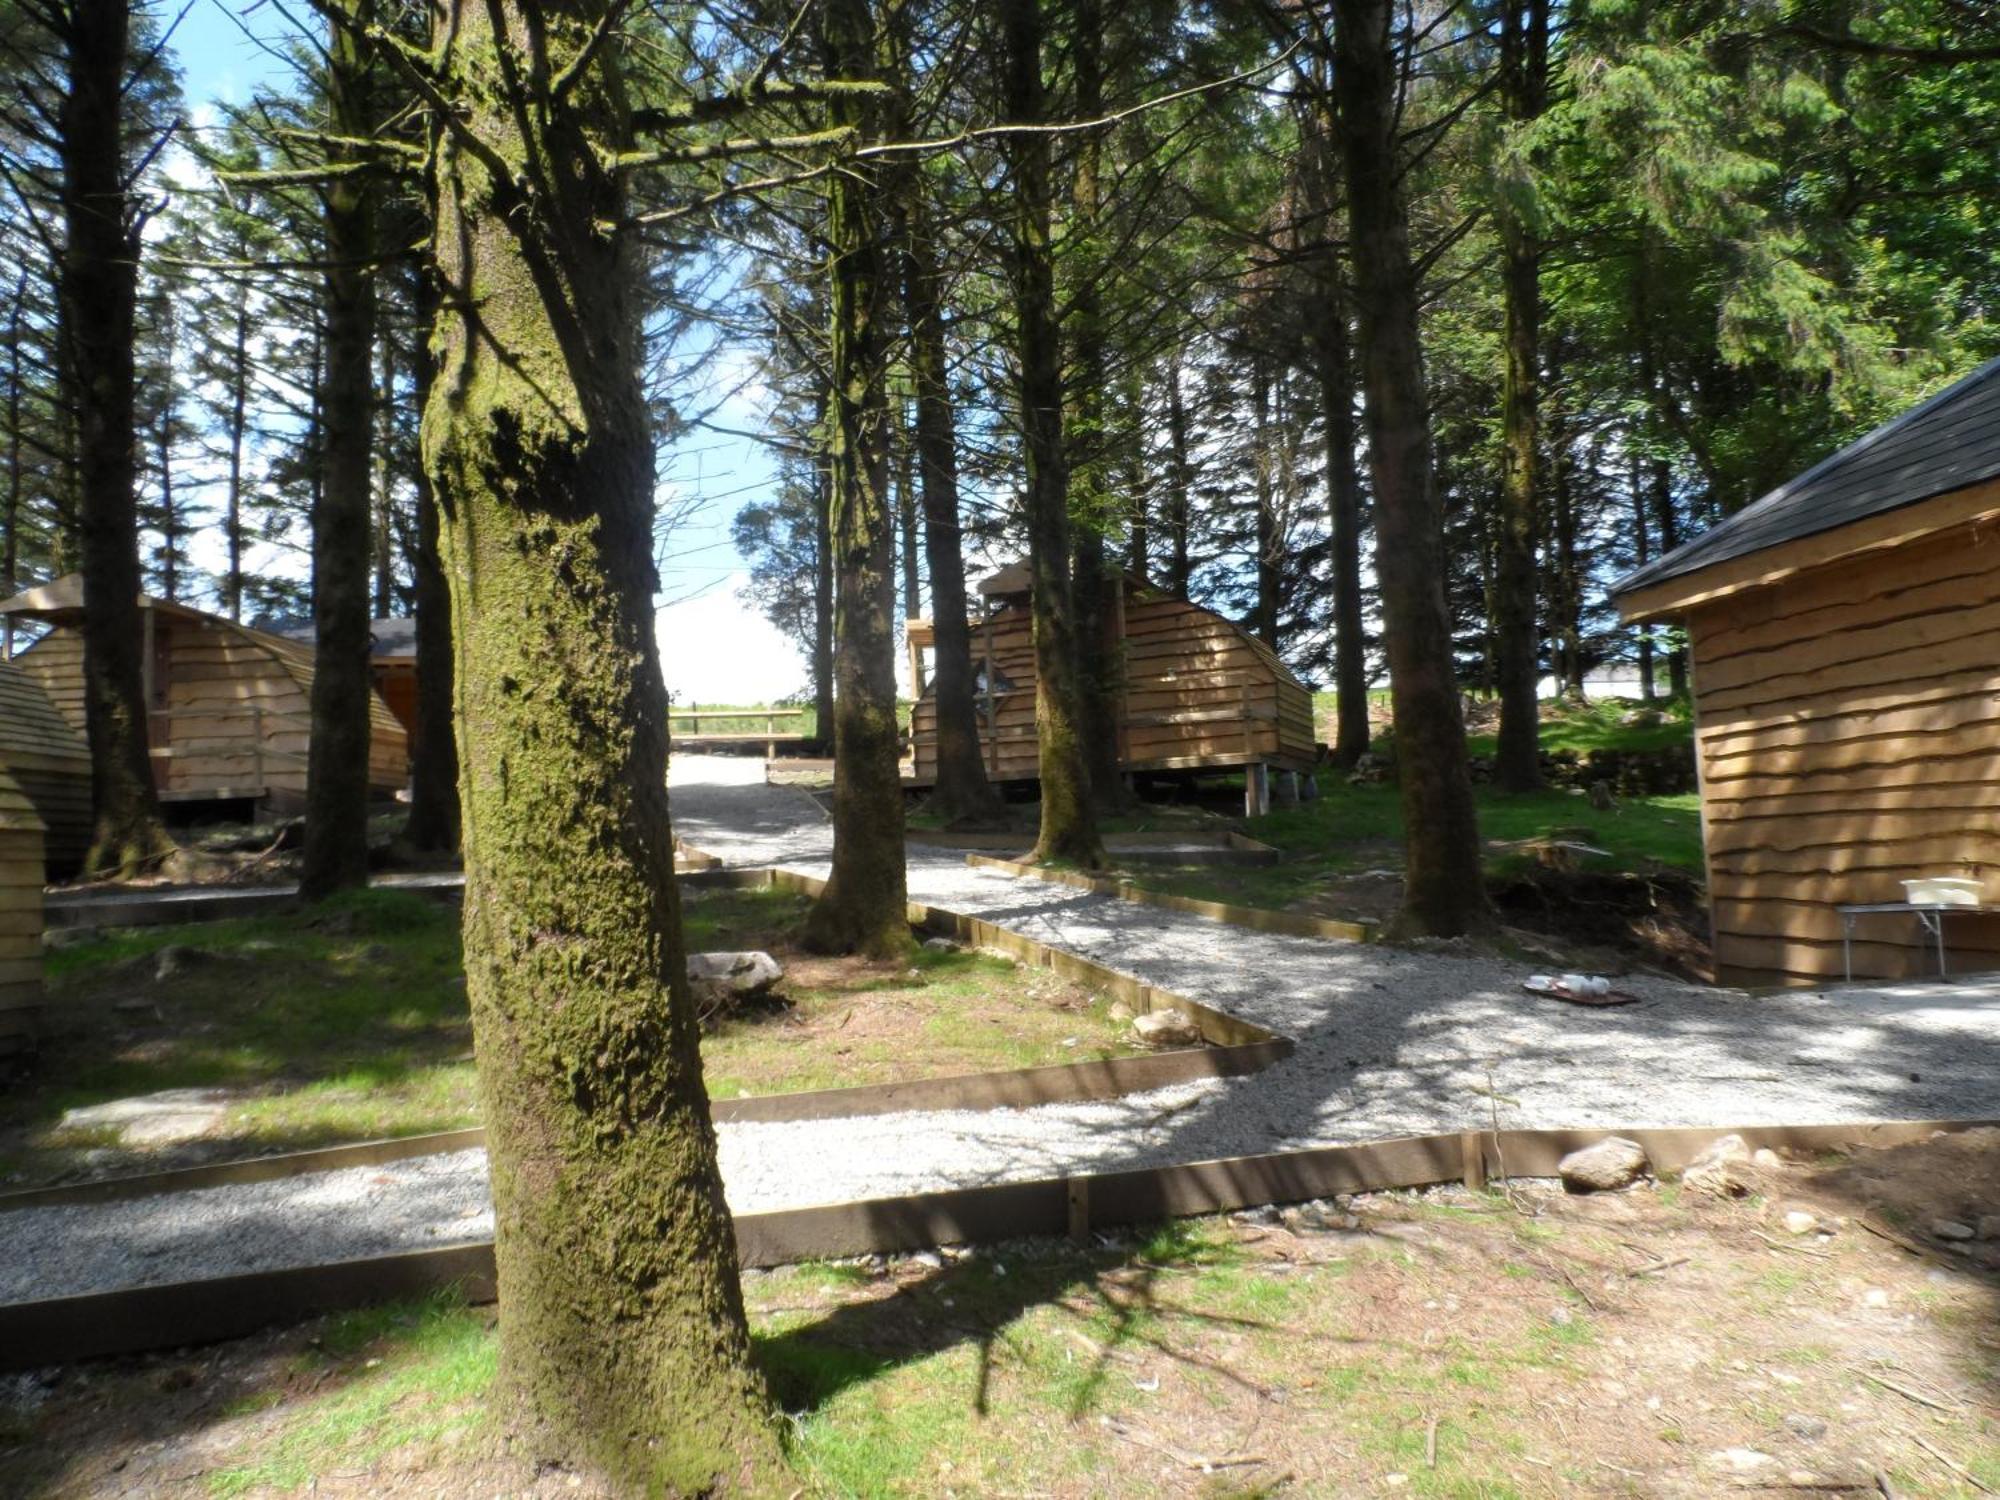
63 1329
1290 924
1237 1047
1203 847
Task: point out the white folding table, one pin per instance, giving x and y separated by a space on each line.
1930 916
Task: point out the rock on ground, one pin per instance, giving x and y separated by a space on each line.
1721 1168
1167 1028
1612 1163
162 1119
731 978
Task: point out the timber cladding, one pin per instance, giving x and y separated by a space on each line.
21 879
1196 690
1848 738
49 762
230 708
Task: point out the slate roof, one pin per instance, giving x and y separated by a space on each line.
390 636
1940 445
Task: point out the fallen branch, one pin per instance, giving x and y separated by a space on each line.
1953 1464
1196 1461
1904 1391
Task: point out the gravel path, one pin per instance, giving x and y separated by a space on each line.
1389 1042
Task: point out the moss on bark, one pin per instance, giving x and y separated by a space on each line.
335 853
623 1344
864 908
98 288
1069 824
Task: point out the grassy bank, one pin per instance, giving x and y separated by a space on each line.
350 1023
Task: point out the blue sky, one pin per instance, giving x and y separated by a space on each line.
714 647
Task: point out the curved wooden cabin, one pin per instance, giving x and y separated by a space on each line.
1844 642
231 707
46 756
20 921
1199 691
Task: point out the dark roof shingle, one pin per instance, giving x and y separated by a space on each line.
1940 445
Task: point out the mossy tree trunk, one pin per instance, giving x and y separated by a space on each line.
1517 763
98 289
1444 890
864 908
335 853
623 1343
1180 485
1069 824
432 827
1266 543
962 793
1333 358
1094 581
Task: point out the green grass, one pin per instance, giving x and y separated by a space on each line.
1581 728
410 1374
749 718
350 1023
1350 829
346 1023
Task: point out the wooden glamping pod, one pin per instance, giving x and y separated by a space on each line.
230 707
49 761
1199 692
20 921
1844 640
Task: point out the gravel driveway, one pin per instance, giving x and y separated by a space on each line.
1390 1042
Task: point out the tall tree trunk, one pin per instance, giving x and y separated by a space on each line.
1069 823
1661 492
170 524
382 538
1095 587
1517 762
864 907
433 824
962 792
1132 443
1642 554
1444 889
907 506
822 645
1180 481
99 292
1266 540
10 507
335 852
1668 526
1343 489
238 420
623 1343
1566 587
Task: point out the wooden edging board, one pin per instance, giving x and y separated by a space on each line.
1201 847
1291 924
1237 1048
63 1329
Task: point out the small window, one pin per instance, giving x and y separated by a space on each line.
983 673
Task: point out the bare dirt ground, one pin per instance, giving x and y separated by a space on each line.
1825 1333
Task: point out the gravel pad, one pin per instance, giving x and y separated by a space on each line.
1390 1042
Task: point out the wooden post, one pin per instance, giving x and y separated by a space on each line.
257 743
1079 1208
1256 789
1472 1158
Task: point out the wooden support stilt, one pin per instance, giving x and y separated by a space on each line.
1472 1154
